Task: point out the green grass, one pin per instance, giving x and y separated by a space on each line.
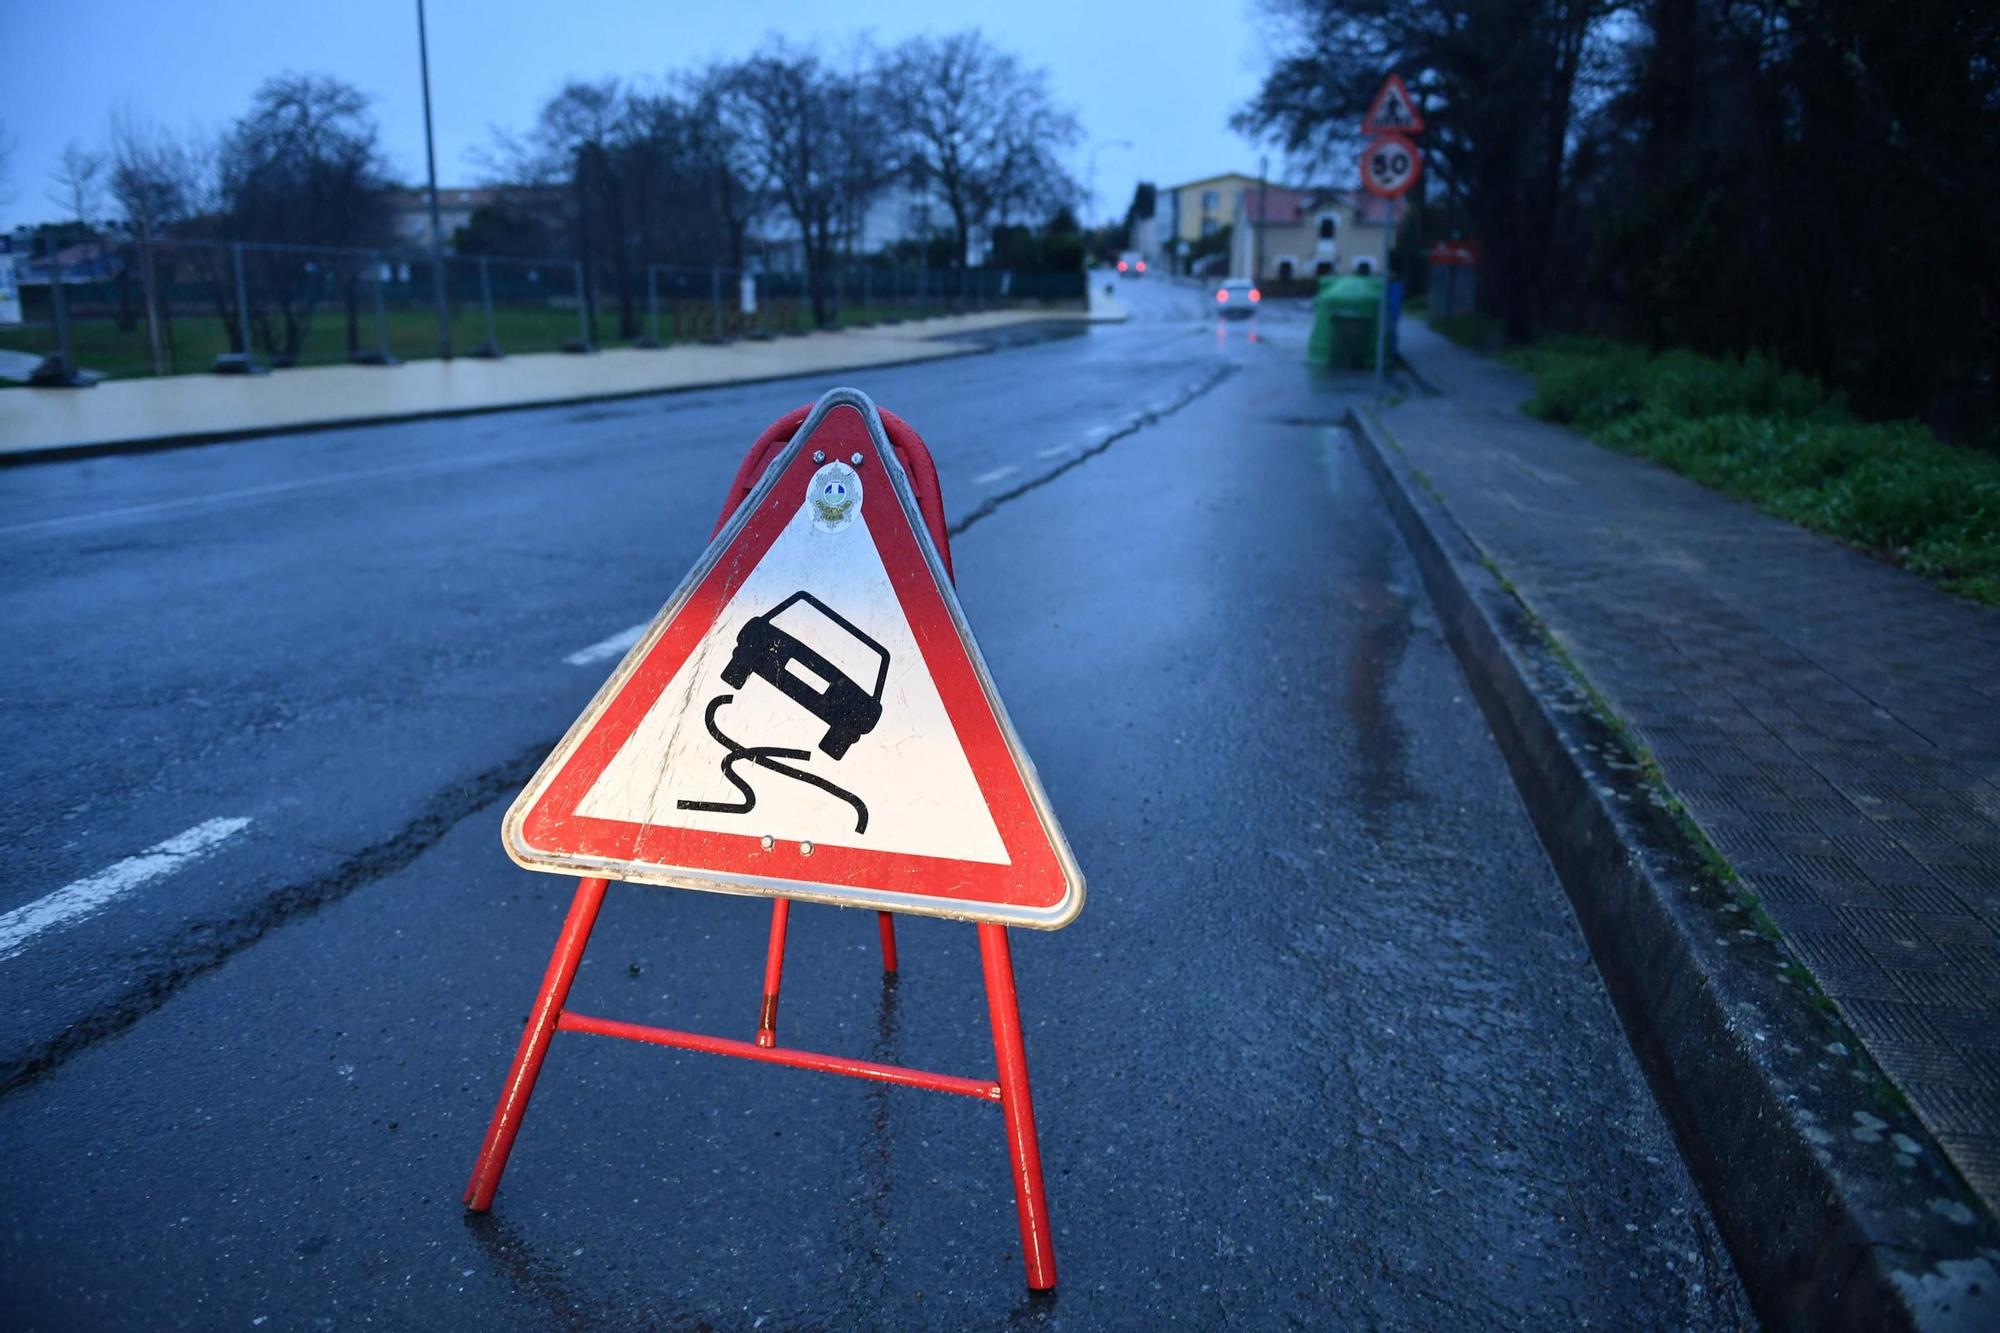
197 338
1785 443
1479 332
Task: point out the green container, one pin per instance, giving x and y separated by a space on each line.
1344 313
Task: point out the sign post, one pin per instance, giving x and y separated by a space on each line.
1390 165
808 717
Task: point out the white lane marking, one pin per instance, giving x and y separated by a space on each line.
997 474
1055 451
88 895
610 647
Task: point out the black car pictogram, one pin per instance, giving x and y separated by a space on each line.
782 655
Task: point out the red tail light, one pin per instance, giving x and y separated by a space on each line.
1256 295
1142 266
1121 266
1222 295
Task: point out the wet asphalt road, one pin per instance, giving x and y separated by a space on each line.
1325 1048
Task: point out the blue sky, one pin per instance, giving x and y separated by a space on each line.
1164 74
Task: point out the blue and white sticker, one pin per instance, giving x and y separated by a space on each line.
834 497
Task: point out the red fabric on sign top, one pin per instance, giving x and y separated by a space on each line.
911 451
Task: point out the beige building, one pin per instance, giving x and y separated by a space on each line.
1282 232
1203 207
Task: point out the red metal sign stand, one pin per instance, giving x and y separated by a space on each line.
1010 1086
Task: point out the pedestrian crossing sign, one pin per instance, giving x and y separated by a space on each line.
1393 111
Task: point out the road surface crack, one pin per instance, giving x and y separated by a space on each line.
205 944
1138 423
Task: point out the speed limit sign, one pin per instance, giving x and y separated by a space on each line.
1390 164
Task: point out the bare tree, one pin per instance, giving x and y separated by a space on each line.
152 178
727 160
155 183
304 168
980 129
820 143
572 144
77 184
644 172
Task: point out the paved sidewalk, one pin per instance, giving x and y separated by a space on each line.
189 408
1832 722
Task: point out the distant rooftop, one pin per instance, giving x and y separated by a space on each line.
1281 204
1204 180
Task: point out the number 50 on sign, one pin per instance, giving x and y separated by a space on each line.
1390 165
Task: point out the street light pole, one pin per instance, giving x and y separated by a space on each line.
1263 219
430 165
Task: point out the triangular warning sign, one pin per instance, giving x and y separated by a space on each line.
809 717
1393 111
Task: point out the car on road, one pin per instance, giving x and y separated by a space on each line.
780 653
1131 265
1237 299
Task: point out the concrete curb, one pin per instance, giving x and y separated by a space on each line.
189 439
1838 1208
1423 377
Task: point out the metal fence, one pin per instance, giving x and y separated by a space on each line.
181 306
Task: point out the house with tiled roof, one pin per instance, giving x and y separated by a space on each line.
1285 234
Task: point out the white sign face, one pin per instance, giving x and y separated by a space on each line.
10 292
1389 166
746 293
809 717
901 785
1393 111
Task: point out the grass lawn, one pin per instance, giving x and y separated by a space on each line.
1786 444
197 339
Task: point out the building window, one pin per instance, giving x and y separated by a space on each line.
1208 226
1285 267
1210 201
1322 268
1326 226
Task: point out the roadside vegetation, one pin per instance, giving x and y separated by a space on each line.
1809 179
1787 444
1479 331
123 353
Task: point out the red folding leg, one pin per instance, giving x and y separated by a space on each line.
492 1160
1017 1105
1010 1055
